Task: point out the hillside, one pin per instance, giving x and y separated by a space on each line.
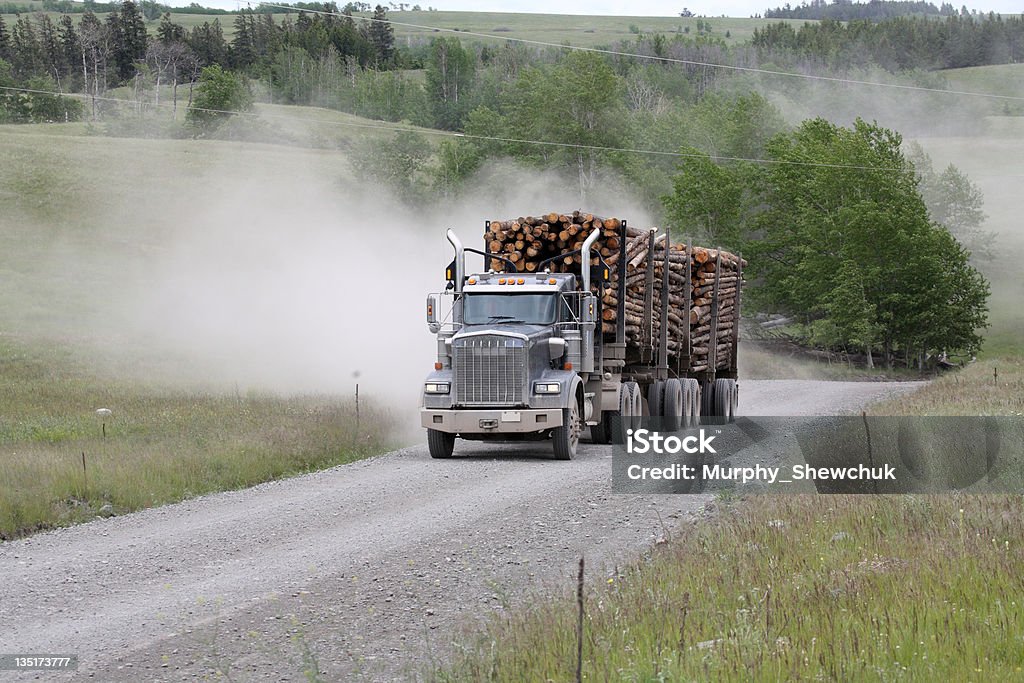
588 30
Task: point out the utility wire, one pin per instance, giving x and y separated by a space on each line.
484 138
669 60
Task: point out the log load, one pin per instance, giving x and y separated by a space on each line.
529 241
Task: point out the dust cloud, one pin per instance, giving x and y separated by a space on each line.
250 276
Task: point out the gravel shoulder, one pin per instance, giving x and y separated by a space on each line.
376 569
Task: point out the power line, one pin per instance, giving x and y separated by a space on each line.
483 138
669 60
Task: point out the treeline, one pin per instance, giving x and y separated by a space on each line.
153 10
845 10
94 55
901 43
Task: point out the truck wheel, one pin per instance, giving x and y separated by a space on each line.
602 432
567 437
674 406
691 401
724 399
636 410
441 444
655 398
707 400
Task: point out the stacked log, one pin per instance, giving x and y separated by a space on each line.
706 267
530 240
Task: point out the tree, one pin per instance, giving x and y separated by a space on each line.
397 163
70 48
382 36
169 32
95 46
848 245
208 44
5 41
27 58
449 79
578 104
131 41
954 201
708 201
165 59
219 94
243 44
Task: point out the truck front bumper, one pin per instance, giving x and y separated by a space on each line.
497 421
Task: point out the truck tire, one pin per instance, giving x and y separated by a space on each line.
636 409
567 437
691 403
656 398
674 406
441 444
707 402
725 391
603 431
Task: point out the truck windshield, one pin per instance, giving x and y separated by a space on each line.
533 309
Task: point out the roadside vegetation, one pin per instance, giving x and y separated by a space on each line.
802 587
62 463
917 588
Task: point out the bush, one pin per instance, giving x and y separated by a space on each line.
219 95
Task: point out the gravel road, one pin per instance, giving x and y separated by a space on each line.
377 568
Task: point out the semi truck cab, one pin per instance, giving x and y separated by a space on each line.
513 358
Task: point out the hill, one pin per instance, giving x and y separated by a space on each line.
553 28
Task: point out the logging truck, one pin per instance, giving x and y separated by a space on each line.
577 321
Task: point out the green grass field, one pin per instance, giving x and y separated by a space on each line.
1002 79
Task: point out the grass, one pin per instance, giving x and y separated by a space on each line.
1002 79
793 588
762 361
161 444
82 219
990 387
802 587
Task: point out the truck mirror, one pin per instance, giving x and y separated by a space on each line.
432 323
556 347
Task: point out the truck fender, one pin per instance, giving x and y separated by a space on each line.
576 394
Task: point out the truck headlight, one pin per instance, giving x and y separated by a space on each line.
437 387
546 388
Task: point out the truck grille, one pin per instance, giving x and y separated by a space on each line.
489 370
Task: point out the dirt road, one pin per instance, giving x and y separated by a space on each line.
374 569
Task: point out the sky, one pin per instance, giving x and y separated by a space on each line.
654 8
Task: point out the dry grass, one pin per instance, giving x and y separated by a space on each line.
161 444
989 387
